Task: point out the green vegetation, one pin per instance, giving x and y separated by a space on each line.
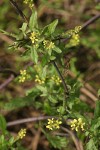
49 71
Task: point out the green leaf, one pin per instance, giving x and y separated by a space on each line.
61 110
33 21
2 123
11 141
49 52
99 92
97 110
52 99
91 145
95 124
34 55
3 143
49 29
22 101
7 33
56 141
52 26
45 71
97 6
52 57
24 26
45 59
47 108
42 89
57 49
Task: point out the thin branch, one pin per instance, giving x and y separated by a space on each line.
21 121
75 140
7 82
19 11
85 25
90 21
13 75
61 77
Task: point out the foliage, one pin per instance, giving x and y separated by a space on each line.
7 141
51 92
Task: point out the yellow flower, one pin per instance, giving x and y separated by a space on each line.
29 2
75 39
23 76
77 29
77 124
25 1
53 124
38 80
21 133
72 31
57 123
51 45
23 72
22 79
48 44
81 124
56 79
33 37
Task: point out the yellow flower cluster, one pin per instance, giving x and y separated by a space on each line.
76 30
53 124
74 41
33 37
77 124
48 44
23 76
29 2
75 38
38 80
56 79
21 133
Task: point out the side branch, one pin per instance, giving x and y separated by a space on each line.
90 21
18 10
26 120
85 25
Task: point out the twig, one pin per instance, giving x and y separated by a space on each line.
5 38
89 94
61 77
75 140
7 82
35 140
86 24
21 121
13 76
18 10
90 21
